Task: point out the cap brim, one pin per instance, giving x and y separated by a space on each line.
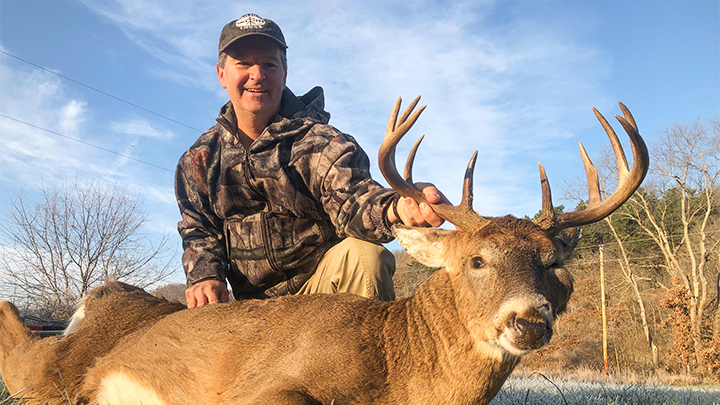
277 41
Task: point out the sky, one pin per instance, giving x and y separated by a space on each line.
133 83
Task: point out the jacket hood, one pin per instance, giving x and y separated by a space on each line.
309 106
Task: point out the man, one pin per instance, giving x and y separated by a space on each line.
273 199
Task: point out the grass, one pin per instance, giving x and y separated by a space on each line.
537 389
7 399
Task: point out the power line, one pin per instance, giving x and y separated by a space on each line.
613 260
584 263
176 122
671 236
86 143
97 90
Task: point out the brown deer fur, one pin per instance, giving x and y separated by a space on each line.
50 370
443 346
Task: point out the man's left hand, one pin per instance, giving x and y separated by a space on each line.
414 214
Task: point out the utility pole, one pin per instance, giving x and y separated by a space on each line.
602 306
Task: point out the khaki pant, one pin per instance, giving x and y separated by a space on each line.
357 267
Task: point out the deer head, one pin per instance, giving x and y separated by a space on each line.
507 271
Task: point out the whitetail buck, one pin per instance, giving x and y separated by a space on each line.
51 370
454 342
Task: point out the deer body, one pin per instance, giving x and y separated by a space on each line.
443 345
52 369
371 354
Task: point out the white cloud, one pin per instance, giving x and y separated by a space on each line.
72 116
513 87
165 195
36 148
37 98
181 33
141 128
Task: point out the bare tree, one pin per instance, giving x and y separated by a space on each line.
174 292
620 239
627 268
74 237
678 215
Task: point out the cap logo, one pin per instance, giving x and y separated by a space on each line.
250 21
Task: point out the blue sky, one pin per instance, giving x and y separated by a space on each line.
514 79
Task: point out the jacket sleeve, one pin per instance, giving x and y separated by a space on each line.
356 203
204 249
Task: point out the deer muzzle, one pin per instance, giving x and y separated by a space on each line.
524 327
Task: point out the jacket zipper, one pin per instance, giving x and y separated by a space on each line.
263 217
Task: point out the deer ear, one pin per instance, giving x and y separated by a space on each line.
559 283
425 245
569 239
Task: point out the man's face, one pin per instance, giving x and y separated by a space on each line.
254 77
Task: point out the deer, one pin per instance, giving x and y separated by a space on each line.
51 370
500 288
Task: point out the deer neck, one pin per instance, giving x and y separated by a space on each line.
440 353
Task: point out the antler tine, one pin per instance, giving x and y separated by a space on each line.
467 195
547 215
617 147
386 154
628 180
410 160
628 116
463 215
593 180
409 109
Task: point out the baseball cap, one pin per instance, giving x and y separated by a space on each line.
250 24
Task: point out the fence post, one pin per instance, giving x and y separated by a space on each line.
602 307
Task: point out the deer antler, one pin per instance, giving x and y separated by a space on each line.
462 216
628 181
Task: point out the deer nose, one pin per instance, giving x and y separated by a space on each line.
531 333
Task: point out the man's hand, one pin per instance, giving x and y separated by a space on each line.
414 214
207 292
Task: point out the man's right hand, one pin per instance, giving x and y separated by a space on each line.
207 292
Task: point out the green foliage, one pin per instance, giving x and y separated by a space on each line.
558 210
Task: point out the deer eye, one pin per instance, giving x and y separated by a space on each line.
477 262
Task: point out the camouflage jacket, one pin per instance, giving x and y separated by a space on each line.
263 218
